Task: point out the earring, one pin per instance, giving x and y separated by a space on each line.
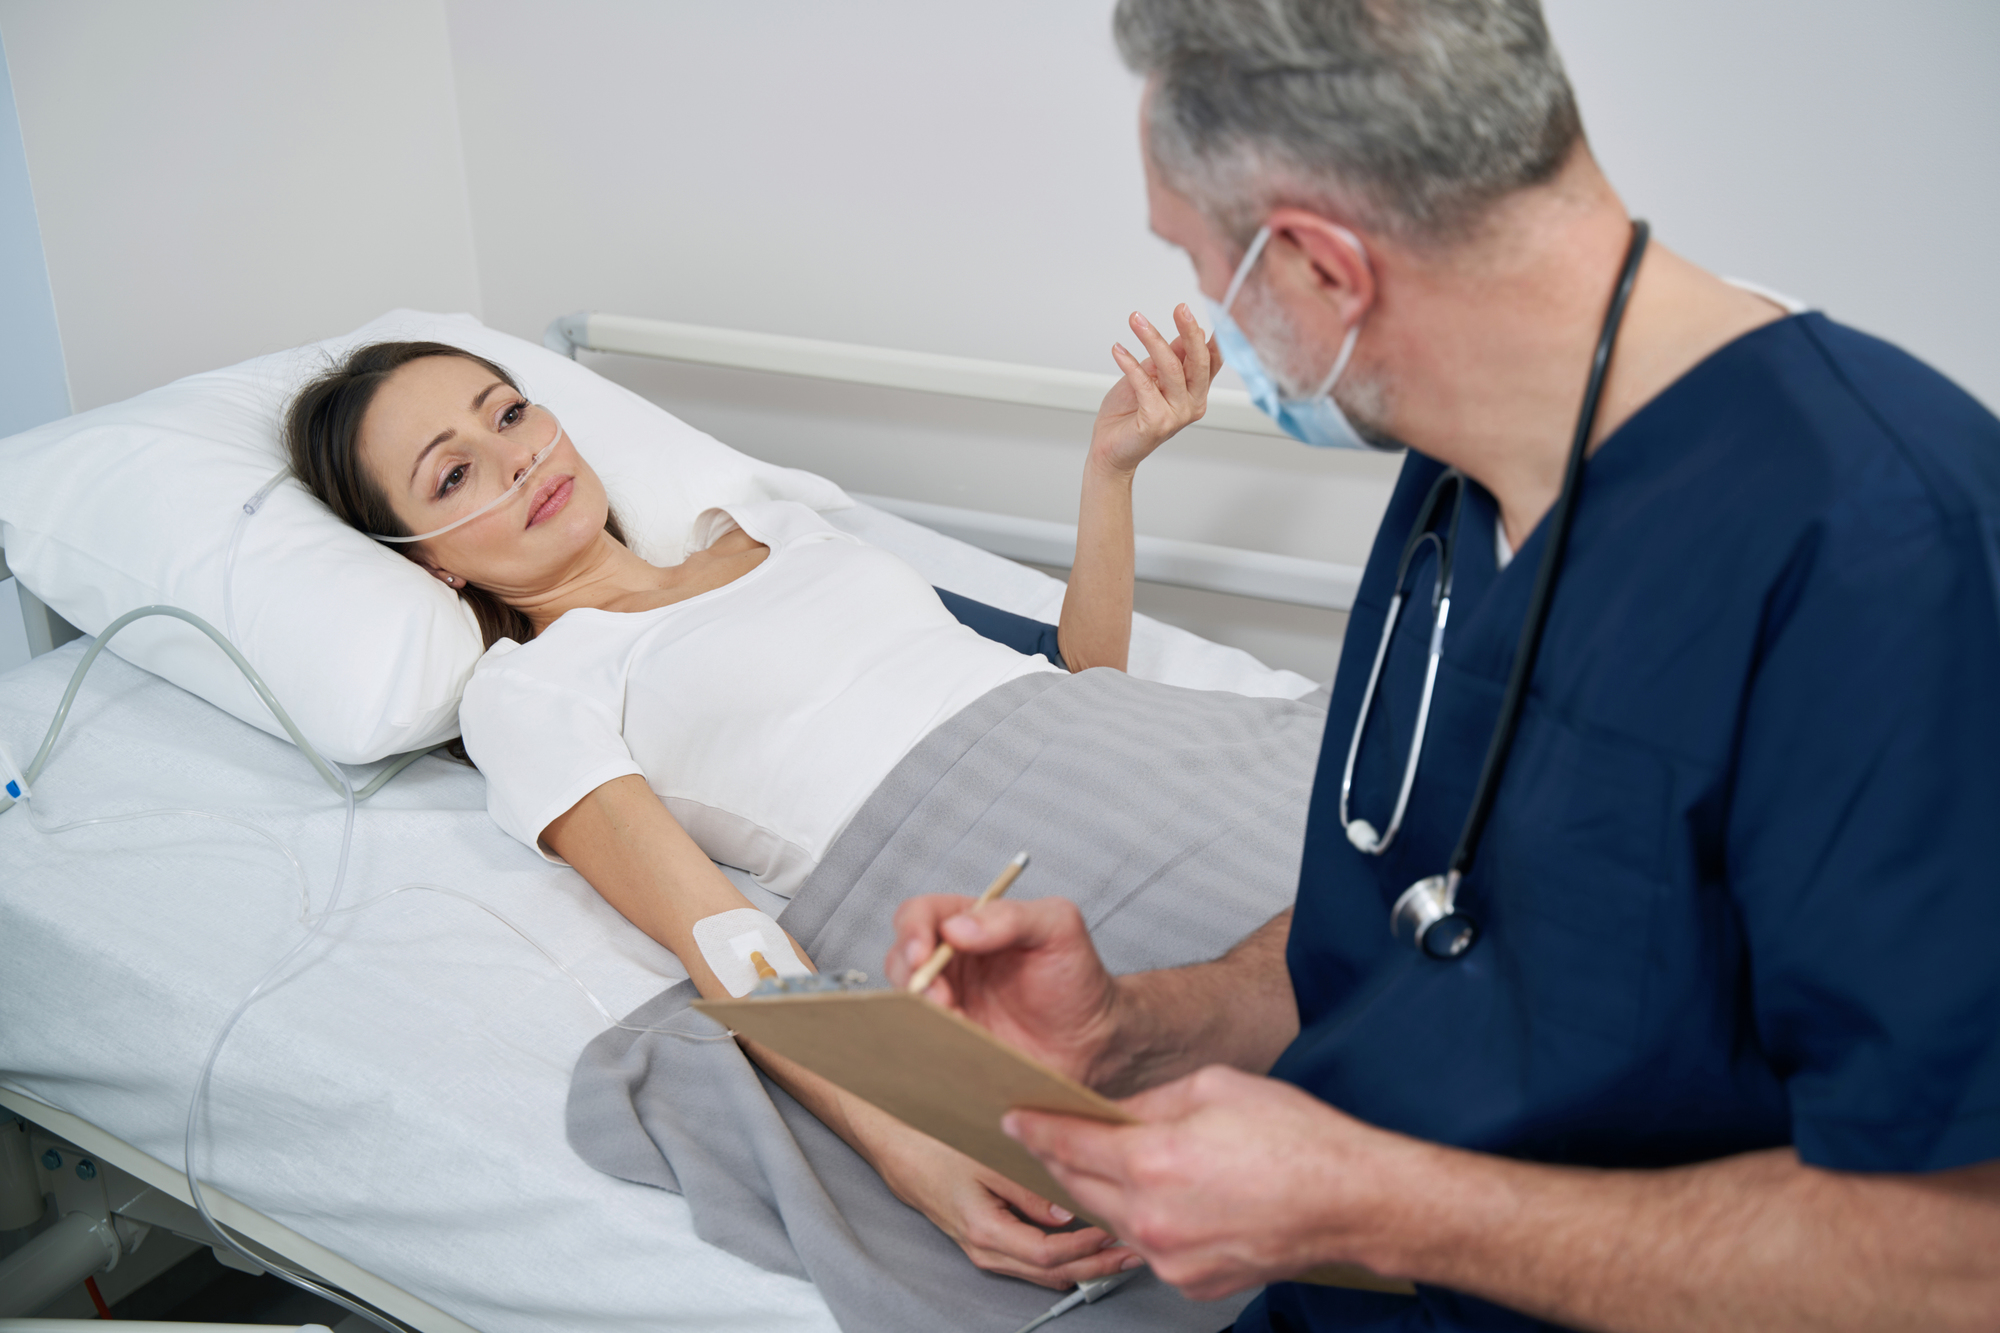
450 581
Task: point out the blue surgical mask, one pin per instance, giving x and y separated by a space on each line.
1315 420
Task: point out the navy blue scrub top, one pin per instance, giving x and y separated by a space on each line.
1740 887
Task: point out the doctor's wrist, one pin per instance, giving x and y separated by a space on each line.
1133 1049
1424 1212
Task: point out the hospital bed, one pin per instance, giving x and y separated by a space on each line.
391 1118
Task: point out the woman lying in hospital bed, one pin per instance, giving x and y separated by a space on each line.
643 723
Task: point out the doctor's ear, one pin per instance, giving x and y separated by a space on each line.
1327 257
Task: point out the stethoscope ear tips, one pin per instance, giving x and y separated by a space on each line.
1364 837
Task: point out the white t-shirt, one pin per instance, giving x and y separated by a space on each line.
762 712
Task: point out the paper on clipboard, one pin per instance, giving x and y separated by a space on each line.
942 1075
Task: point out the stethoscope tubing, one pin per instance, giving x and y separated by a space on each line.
1432 902
1360 832
1560 523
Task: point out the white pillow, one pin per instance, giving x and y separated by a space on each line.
135 503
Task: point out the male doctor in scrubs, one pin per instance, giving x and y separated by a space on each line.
1725 1051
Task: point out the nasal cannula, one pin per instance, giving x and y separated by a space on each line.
490 505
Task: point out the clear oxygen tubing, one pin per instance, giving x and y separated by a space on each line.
250 508
315 922
335 780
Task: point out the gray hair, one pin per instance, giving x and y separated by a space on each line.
1408 116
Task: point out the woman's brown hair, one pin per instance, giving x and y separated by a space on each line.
323 439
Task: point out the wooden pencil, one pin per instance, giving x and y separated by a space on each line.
922 978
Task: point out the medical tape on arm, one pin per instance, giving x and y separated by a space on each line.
727 940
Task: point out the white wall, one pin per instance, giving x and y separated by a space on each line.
217 177
32 386
955 177
221 178
1844 151
964 178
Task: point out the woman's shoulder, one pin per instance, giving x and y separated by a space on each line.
775 523
526 688
559 658
503 669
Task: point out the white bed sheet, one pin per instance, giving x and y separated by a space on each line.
401 1100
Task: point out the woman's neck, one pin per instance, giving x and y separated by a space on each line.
605 575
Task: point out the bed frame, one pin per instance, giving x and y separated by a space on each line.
46 629
127 1194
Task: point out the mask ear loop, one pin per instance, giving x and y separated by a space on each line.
1242 275
488 508
1249 262
1340 362
1354 330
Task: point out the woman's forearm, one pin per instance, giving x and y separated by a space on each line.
640 860
1152 400
1096 628
841 1112
634 853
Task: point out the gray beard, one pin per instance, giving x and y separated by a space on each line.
1299 370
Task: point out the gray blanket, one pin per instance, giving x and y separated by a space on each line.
1174 818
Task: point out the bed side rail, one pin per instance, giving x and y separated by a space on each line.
881 367
1222 569
1185 564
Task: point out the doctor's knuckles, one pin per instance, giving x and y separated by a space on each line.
1026 971
1232 1180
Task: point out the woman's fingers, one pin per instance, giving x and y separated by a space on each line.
1061 1278
1192 349
1173 381
1000 1242
1144 389
1028 1203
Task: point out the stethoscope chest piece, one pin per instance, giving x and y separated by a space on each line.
1427 917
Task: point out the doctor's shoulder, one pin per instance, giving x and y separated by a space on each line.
1946 438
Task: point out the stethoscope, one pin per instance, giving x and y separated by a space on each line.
1427 914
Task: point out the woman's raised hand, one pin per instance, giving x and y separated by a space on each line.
1157 396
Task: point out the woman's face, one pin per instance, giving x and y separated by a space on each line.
443 437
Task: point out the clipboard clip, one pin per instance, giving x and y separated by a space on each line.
813 983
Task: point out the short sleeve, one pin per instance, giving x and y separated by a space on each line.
542 747
1860 837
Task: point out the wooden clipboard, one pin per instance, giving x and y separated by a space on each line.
946 1077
